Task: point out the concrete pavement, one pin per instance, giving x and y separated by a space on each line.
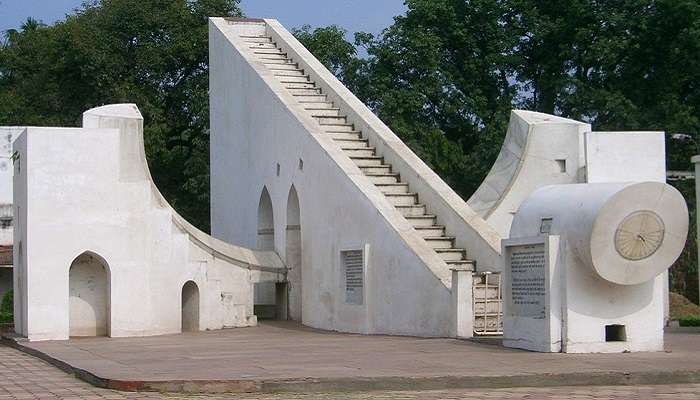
288 357
26 377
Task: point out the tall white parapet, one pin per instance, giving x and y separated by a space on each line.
585 263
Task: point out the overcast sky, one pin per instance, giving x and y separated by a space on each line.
353 15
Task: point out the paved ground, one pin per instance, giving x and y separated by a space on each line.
283 351
25 377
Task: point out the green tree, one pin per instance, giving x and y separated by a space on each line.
438 77
153 53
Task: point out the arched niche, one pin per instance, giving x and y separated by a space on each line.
190 307
89 296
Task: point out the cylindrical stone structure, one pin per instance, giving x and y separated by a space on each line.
627 233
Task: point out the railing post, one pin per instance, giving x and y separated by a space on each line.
462 302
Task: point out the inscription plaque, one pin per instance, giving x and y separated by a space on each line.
527 281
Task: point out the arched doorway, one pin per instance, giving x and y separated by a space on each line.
264 293
293 255
190 307
88 281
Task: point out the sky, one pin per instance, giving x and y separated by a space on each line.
353 15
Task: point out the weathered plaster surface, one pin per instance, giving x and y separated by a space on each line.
88 189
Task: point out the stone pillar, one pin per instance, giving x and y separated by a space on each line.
696 160
462 302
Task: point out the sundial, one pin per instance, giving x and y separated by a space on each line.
639 235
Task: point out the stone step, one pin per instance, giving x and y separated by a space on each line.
294 79
359 152
331 120
317 104
440 242
270 51
333 128
323 112
383 178
344 135
353 143
256 39
281 67
393 187
412 211
280 64
311 98
262 45
430 230
289 72
308 92
299 85
367 161
402 199
423 221
265 57
451 254
468 264
378 169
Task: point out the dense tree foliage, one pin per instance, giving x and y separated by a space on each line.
444 77
153 53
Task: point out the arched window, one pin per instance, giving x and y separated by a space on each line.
266 222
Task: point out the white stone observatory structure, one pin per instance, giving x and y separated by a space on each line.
584 266
319 212
100 252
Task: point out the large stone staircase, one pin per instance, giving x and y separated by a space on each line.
356 147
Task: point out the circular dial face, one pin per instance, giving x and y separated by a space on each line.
639 235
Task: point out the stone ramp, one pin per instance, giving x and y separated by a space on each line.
287 357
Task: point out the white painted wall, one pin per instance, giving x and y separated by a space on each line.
89 189
626 157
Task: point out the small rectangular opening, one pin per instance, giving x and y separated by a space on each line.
615 333
270 300
562 165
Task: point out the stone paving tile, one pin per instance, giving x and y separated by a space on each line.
26 377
